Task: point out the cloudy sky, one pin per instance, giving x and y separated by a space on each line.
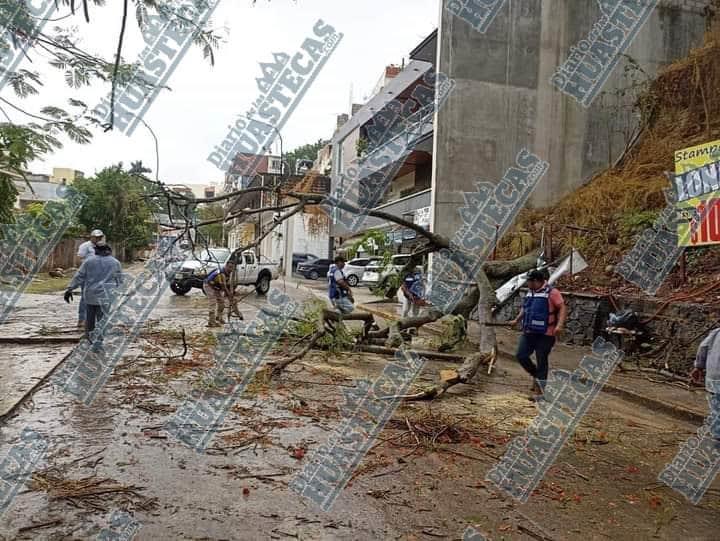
193 117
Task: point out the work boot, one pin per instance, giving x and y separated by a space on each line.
211 319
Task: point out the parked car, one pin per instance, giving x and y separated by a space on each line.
378 278
302 258
249 271
355 268
315 269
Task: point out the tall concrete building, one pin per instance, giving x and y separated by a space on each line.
504 100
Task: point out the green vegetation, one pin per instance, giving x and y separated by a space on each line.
212 232
62 49
117 203
341 340
45 284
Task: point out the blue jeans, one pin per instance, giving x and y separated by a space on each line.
82 308
343 305
541 345
94 315
714 399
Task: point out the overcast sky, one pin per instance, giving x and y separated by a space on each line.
193 117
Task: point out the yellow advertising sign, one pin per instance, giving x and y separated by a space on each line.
694 157
697 185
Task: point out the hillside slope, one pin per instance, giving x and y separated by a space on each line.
681 108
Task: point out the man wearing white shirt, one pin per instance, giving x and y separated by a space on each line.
339 290
85 250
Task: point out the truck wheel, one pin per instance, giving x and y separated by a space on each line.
352 280
179 288
263 285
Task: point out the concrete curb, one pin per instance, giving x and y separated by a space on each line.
679 411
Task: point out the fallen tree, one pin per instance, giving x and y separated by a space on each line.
475 280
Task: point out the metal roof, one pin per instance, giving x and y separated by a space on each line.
412 72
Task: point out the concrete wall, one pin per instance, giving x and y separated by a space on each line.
297 239
504 101
304 242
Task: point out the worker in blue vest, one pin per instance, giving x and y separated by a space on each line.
543 316
413 294
339 290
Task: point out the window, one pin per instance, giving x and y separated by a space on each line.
249 259
274 165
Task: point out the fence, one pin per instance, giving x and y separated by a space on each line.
64 255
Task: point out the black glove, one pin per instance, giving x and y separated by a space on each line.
68 296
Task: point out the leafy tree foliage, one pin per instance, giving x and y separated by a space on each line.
118 204
212 232
26 34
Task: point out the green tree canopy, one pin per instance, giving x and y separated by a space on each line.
117 203
212 232
26 34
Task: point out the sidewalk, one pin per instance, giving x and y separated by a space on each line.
636 387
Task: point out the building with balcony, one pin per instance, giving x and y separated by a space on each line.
397 183
246 166
306 232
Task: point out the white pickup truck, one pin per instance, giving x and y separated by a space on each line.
250 270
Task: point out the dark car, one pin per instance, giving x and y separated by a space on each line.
302 258
314 269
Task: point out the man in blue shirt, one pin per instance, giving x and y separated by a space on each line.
98 273
85 250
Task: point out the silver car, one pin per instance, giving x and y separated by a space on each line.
375 276
355 268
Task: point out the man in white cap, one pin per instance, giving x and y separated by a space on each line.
85 250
